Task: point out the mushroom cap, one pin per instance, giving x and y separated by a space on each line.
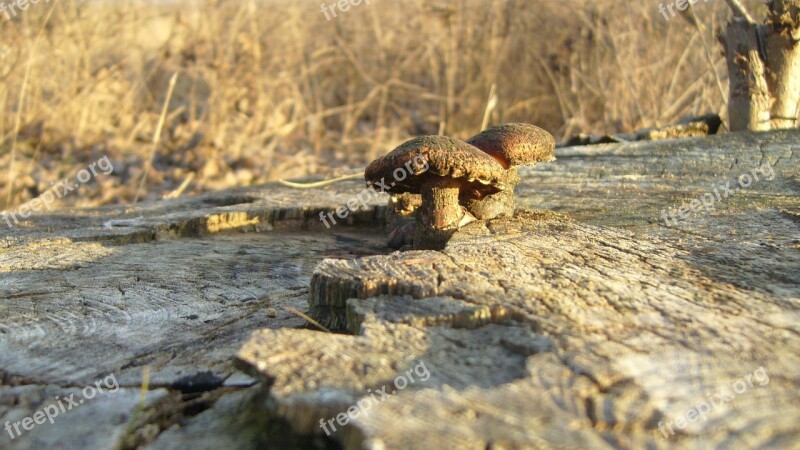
403 169
516 144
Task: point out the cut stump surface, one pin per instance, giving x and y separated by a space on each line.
584 321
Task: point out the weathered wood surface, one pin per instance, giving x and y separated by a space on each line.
176 286
540 331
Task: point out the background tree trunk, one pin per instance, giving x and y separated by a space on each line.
763 67
749 97
783 61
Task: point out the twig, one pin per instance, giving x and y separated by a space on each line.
140 405
145 385
308 319
157 135
740 11
177 192
619 139
323 183
491 103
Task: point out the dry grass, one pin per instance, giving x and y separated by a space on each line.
270 89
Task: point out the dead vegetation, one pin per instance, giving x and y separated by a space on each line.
270 89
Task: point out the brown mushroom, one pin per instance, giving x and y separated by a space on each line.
439 168
512 145
516 144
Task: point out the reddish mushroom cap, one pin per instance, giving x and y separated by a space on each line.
516 144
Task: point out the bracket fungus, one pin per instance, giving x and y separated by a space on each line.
512 145
451 167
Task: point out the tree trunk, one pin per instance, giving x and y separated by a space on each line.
783 62
764 67
749 97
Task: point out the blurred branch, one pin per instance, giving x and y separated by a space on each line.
740 11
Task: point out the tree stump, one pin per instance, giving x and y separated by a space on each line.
585 321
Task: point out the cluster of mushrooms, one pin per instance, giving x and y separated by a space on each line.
453 183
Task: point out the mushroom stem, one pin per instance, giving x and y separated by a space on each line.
440 209
440 214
